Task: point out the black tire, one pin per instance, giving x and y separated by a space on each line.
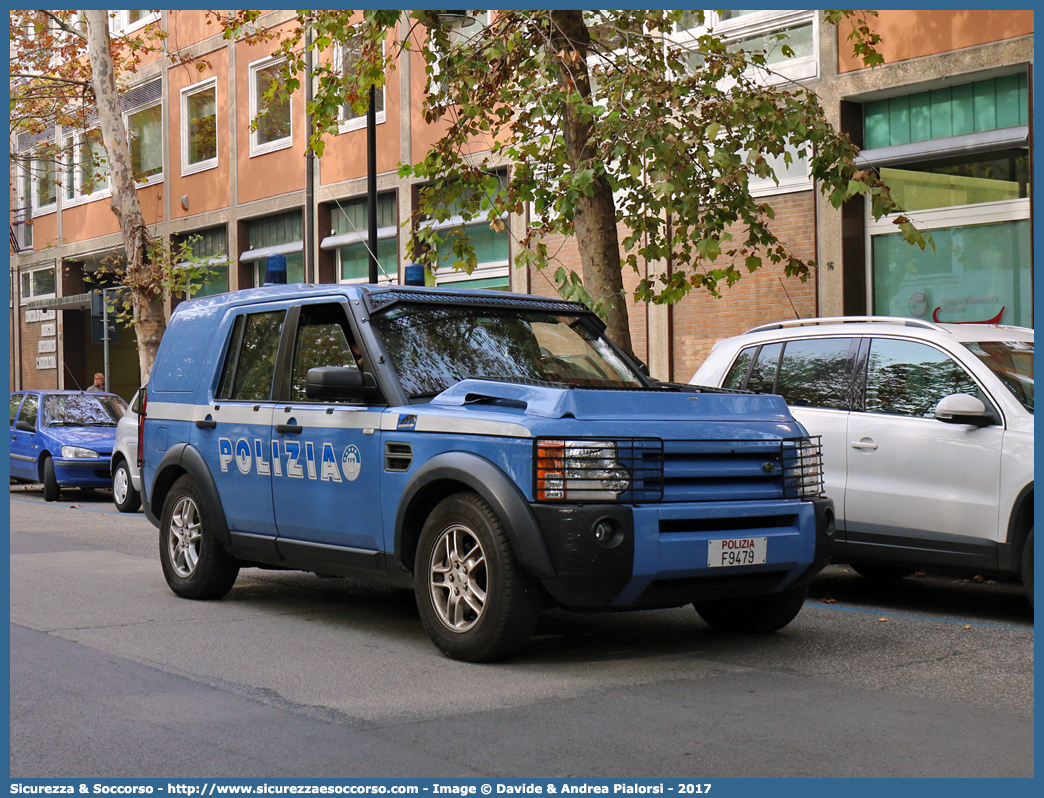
50 482
126 499
1027 566
195 564
476 602
881 573
756 614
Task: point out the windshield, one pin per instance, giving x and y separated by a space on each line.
1012 362
82 410
435 348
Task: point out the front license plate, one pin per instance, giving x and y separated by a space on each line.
736 551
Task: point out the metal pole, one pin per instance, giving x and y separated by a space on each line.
105 333
311 271
371 180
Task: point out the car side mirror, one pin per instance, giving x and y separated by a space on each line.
24 426
961 408
334 382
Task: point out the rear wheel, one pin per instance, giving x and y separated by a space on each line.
1027 566
881 573
194 563
475 600
755 614
126 499
50 482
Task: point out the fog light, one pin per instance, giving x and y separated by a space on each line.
607 533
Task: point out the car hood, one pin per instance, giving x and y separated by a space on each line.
662 413
100 439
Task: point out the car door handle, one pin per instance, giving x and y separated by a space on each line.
206 423
864 443
294 429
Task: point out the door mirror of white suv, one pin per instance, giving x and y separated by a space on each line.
960 408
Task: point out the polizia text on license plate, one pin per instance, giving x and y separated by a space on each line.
736 551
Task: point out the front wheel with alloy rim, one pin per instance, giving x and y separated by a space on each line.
476 602
126 499
195 564
754 614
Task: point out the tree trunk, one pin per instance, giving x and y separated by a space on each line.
595 219
144 285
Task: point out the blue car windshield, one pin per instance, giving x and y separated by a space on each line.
434 348
82 410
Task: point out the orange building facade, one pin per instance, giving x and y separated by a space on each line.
243 194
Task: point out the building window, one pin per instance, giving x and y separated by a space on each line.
145 131
975 206
37 283
43 173
350 238
199 127
281 234
270 106
459 33
347 56
86 168
210 245
758 31
123 22
492 250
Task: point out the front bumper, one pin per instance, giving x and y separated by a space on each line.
82 472
656 554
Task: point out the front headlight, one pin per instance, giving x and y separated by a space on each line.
803 468
578 470
76 451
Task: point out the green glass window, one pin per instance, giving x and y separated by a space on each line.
201 112
974 274
145 129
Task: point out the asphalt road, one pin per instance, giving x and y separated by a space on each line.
291 675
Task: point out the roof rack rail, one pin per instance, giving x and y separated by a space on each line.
778 325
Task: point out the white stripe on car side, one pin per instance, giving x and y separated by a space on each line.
341 417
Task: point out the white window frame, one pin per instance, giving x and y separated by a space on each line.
345 125
256 147
156 178
435 67
34 186
210 163
766 186
769 21
120 24
25 299
73 149
1013 210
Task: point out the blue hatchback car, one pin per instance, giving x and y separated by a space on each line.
63 439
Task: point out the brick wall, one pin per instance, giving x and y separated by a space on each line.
36 327
699 320
764 296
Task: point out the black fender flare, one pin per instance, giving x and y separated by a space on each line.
494 486
1010 554
185 458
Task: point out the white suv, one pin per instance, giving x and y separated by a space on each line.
927 433
126 477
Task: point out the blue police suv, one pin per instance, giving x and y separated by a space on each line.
495 452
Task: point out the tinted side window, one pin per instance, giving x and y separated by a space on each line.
15 401
763 375
251 366
323 339
734 379
907 378
29 409
815 373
